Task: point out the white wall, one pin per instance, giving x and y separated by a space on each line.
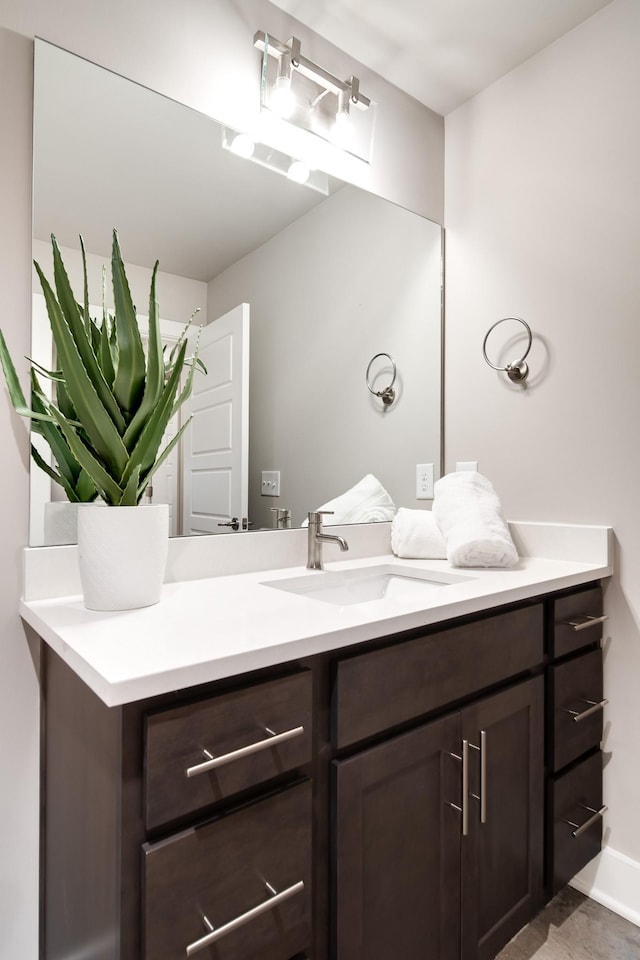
352 278
542 213
200 53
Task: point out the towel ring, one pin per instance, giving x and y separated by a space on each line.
519 370
387 395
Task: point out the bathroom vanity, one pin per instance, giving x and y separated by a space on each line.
415 781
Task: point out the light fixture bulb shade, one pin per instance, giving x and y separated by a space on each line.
299 172
242 145
282 100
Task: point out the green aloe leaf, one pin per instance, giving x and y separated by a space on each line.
163 456
57 478
102 480
95 419
86 316
155 370
130 372
146 449
130 493
81 336
105 355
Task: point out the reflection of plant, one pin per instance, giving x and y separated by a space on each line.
112 403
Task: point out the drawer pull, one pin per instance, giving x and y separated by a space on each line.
463 809
483 775
216 934
587 621
580 828
593 707
273 740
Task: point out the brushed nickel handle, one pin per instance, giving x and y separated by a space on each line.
588 621
212 762
482 749
216 934
593 707
580 828
463 809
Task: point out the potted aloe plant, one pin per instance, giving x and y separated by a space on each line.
105 423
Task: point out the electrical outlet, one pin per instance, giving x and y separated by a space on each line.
424 481
470 465
270 483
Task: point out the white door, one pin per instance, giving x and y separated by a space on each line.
215 483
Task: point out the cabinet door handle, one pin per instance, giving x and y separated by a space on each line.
482 749
597 815
593 707
587 621
274 900
463 809
273 740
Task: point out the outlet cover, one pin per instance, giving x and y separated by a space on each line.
424 481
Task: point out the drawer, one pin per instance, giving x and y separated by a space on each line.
576 799
200 753
577 621
379 690
220 871
577 722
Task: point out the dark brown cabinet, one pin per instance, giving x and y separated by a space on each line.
397 848
416 796
439 834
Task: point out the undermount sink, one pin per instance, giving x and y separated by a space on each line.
364 584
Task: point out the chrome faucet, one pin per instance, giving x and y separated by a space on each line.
317 538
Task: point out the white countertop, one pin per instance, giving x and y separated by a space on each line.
207 629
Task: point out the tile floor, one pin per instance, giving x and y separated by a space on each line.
572 927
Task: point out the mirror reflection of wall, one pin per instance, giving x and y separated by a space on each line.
330 280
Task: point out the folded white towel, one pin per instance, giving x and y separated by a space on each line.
416 535
366 502
468 512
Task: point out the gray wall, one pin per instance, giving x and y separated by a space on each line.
542 215
354 277
202 55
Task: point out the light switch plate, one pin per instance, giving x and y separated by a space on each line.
270 483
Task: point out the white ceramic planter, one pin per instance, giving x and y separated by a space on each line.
122 553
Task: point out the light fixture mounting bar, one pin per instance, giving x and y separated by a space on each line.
309 69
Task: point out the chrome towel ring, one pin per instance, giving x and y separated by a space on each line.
519 370
387 395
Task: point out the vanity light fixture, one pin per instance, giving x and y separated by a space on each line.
296 169
310 97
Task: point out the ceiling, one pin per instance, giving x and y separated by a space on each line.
442 52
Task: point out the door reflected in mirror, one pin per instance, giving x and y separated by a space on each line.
330 281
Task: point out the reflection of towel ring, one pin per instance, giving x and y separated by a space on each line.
387 395
518 371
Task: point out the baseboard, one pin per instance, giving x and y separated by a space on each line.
613 880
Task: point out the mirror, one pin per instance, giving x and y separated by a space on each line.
331 279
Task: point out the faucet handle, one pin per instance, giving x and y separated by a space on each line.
315 515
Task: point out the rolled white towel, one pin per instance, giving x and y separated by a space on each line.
366 502
415 536
468 512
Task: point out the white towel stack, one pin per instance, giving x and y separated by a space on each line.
366 502
468 513
415 536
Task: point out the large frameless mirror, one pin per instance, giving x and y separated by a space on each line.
307 286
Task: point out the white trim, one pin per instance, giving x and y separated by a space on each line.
612 879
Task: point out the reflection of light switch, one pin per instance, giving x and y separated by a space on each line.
270 483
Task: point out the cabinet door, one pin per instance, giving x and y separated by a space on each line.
396 855
502 857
